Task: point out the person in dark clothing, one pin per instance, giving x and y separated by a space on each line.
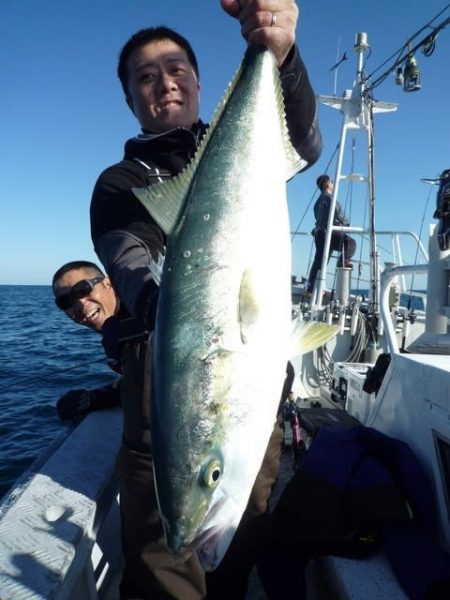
85 294
160 78
340 241
87 297
442 211
443 195
287 400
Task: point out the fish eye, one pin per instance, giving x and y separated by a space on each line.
211 474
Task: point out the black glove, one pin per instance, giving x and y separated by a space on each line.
74 404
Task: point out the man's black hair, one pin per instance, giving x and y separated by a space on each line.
75 265
144 37
321 181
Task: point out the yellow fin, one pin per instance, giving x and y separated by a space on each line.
309 335
294 162
164 201
248 306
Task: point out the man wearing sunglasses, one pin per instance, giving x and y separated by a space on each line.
87 297
85 294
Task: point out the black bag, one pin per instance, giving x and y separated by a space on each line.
375 375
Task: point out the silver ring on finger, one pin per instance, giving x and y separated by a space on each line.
273 19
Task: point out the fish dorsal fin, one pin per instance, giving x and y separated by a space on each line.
308 336
164 201
294 162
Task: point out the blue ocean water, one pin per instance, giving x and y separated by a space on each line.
42 356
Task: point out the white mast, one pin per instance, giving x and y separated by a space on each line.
357 109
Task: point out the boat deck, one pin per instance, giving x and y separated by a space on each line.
332 577
38 512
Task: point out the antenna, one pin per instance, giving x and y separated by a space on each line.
336 65
338 52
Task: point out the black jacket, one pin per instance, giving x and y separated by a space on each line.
127 240
322 210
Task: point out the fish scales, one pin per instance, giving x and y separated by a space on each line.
223 317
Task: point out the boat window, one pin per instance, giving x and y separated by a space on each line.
443 447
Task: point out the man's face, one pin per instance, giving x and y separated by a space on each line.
93 309
163 87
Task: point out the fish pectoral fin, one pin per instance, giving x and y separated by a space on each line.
164 201
308 336
249 309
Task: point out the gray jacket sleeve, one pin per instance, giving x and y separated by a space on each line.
133 270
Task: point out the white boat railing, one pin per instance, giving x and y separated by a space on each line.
397 244
386 277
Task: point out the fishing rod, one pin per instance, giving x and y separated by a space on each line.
38 378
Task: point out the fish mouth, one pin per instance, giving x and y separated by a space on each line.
206 541
209 545
212 545
205 550
213 540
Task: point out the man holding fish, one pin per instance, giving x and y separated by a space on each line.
164 235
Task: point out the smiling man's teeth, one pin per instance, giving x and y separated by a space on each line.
170 103
92 314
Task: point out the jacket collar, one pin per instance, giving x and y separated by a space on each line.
171 149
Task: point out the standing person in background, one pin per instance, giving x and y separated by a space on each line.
442 211
340 241
287 397
160 78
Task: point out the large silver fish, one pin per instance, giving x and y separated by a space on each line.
223 323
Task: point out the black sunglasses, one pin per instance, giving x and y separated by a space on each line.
79 290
